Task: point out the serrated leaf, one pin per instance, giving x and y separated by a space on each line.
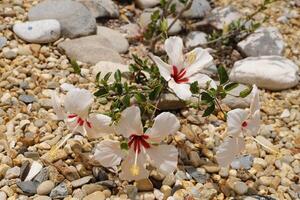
223 76
140 97
230 86
155 93
245 92
206 98
75 67
117 76
209 110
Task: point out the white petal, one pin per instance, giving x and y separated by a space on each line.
108 153
67 87
173 47
182 90
78 101
253 124
235 119
165 69
164 158
57 106
100 126
254 106
197 60
127 165
164 124
229 149
130 122
203 80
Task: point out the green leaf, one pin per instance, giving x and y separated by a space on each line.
163 25
106 77
223 76
140 97
118 88
155 16
118 75
206 98
194 87
126 101
101 91
173 8
230 86
124 146
75 67
209 110
153 95
246 92
98 77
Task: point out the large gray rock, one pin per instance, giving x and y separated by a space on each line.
91 49
75 19
117 40
169 101
221 17
102 8
269 72
237 102
41 31
146 3
199 9
263 42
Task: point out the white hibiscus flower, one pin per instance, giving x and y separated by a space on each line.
74 110
240 123
183 70
143 147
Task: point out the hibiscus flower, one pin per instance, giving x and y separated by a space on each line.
74 109
183 70
143 147
240 123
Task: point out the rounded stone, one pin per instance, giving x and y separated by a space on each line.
45 187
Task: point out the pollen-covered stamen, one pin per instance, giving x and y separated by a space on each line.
138 142
178 76
244 124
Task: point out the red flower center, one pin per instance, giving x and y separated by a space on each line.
244 124
138 141
80 121
178 76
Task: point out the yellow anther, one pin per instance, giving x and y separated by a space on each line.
190 58
135 170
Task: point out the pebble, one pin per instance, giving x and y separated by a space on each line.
59 191
263 42
13 172
29 187
144 185
27 98
42 198
95 196
81 181
169 180
35 168
269 72
237 102
41 31
146 3
45 187
223 16
102 8
166 190
75 19
3 169
3 195
3 42
198 9
10 53
195 38
240 187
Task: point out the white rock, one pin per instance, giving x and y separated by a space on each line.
263 42
176 28
195 38
198 9
286 113
269 72
35 168
10 53
42 31
105 67
221 17
147 3
102 8
237 102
